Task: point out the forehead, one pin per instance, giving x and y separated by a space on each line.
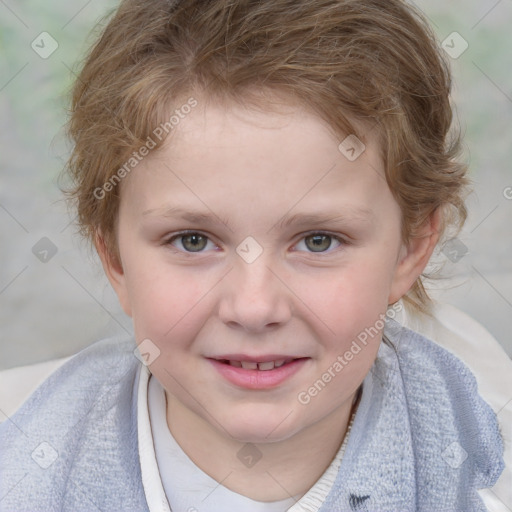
228 125
222 157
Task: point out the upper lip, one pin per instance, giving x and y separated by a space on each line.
254 359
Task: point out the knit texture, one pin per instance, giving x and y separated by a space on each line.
422 438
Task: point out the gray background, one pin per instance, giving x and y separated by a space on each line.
53 308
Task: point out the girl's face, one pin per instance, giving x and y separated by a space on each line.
253 252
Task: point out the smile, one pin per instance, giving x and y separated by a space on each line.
257 375
252 365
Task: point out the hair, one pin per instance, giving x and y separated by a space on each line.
372 63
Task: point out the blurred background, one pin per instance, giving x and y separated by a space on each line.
54 298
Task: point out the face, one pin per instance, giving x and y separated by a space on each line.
253 253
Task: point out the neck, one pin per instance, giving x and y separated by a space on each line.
286 468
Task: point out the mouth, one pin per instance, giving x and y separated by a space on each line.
257 373
257 365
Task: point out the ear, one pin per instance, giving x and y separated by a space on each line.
414 257
114 271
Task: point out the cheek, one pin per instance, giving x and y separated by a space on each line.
352 304
349 301
165 303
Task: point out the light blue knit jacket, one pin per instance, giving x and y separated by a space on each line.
422 438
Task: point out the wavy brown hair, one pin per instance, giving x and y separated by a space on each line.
371 61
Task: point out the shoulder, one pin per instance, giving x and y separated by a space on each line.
82 413
422 436
449 418
103 364
491 366
100 365
72 389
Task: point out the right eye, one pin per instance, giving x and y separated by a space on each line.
191 241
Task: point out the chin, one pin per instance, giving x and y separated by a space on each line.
261 427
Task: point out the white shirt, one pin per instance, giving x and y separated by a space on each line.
170 477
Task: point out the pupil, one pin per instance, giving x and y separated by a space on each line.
318 241
195 244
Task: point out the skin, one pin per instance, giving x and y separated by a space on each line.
251 168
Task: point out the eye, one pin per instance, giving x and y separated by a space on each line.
196 242
320 242
191 241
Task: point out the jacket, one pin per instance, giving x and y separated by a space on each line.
422 438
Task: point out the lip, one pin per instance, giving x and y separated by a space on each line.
257 379
254 359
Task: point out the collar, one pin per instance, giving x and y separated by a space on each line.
422 439
149 399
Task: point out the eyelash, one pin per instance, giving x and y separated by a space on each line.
182 234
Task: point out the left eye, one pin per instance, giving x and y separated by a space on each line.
192 241
320 242
195 242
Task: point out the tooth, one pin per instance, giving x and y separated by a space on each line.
266 366
246 365
237 364
279 363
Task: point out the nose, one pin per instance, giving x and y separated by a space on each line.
254 297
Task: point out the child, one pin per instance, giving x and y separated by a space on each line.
263 181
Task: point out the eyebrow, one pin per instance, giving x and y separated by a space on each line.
340 215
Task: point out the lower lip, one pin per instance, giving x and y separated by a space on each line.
258 379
